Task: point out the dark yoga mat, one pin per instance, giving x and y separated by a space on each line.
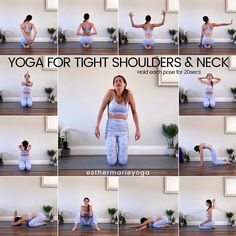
170 228
134 162
219 105
37 45
94 45
206 164
216 45
219 228
36 105
156 46
34 168
102 226
7 224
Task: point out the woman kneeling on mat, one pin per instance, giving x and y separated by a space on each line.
148 28
117 101
26 28
26 98
209 223
209 81
155 221
33 219
88 29
24 161
200 148
206 32
86 216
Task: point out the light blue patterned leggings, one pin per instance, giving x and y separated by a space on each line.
207 225
209 101
24 163
161 223
86 221
26 100
117 141
148 42
37 221
86 40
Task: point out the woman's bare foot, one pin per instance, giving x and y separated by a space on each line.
97 228
43 223
148 47
74 228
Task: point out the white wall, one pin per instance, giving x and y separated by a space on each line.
196 130
25 195
14 12
16 129
71 14
140 10
10 81
72 191
82 91
139 197
191 13
195 89
193 198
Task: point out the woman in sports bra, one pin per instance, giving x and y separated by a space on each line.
206 32
26 98
33 219
117 101
28 31
24 161
148 28
203 146
86 30
209 81
86 216
208 223
154 221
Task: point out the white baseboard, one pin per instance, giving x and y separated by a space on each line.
100 220
33 162
17 99
16 40
218 99
132 150
216 40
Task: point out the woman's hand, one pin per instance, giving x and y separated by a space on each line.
97 132
131 15
137 135
163 13
231 21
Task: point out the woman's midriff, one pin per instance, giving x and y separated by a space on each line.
118 116
208 35
148 36
27 92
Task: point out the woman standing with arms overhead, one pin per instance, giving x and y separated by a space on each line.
148 28
117 101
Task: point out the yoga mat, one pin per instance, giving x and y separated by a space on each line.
102 226
139 46
206 164
37 45
219 228
7 224
34 168
216 45
94 45
134 162
197 105
36 105
171 228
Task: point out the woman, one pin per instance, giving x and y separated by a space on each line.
148 28
26 98
24 161
86 216
206 32
33 219
209 81
86 30
201 147
208 223
155 221
26 28
117 101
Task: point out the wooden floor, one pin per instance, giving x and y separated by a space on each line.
218 49
207 233
65 230
36 170
197 109
26 231
126 231
186 170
